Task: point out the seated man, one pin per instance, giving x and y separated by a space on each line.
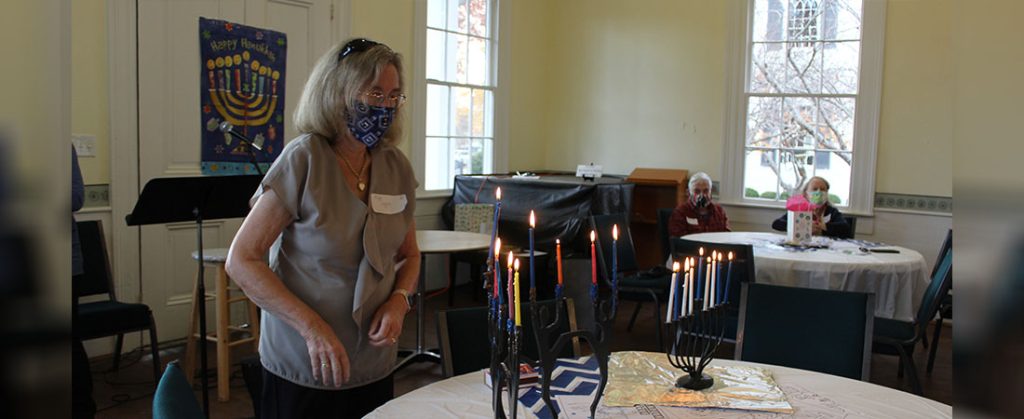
698 214
828 221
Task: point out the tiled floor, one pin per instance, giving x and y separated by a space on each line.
128 392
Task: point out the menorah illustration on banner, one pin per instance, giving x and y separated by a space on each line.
243 91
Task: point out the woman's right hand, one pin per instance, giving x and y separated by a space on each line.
327 356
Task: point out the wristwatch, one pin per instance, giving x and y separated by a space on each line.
405 297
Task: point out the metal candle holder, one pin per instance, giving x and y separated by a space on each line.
695 339
505 340
599 337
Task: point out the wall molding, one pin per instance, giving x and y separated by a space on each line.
915 203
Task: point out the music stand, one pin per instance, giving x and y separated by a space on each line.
169 200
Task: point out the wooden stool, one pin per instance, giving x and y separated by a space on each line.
214 258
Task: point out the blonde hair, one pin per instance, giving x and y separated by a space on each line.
334 87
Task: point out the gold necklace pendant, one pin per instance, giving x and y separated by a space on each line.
362 186
357 173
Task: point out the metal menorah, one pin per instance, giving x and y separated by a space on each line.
598 338
505 340
695 339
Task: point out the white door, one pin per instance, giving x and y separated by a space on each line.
169 126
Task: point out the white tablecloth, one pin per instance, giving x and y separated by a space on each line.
898 280
812 395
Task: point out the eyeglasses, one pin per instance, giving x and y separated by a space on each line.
376 98
356 45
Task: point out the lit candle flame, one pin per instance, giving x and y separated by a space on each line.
675 267
497 247
497 193
686 264
533 220
701 252
593 236
719 257
615 231
558 241
730 256
511 256
515 265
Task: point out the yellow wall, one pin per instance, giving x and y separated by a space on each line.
90 104
915 138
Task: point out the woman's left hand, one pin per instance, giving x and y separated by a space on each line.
386 326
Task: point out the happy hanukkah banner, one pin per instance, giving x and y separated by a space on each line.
242 82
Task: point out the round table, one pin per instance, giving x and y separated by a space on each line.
433 242
811 394
898 280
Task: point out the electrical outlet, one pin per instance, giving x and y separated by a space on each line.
85 145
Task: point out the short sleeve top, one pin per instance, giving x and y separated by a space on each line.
337 255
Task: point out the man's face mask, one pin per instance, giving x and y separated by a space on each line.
369 123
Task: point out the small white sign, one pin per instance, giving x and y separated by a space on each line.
588 171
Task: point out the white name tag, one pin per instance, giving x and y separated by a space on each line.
691 221
388 204
826 218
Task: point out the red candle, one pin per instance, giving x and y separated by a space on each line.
558 259
511 295
593 258
497 256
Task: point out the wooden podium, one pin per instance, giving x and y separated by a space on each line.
655 188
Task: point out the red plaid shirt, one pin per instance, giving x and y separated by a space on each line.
713 219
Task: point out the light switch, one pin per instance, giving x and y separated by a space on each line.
85 145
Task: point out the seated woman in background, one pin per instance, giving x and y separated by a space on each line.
828 221
698 214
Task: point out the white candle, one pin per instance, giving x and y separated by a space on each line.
686 282
671 309
691 281
707 285
714 278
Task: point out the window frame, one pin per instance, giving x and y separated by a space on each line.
500 23
866 117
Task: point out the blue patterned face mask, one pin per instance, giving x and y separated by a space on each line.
369 123
818 197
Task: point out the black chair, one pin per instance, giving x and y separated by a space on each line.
664 238
852 222
945 304
634 285
462 334
818 330
897 337
742 272
107 317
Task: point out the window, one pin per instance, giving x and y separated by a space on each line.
460 90
809 87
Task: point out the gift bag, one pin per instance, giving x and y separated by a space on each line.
476 218
799 219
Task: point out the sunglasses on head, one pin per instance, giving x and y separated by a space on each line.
356 45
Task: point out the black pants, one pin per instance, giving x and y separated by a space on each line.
283 399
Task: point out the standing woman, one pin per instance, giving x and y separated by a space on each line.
335 212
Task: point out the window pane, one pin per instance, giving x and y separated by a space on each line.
461 102
456 56
848 18
435 55
759 174
478 62
803 68
798 123
839 176
488 114
763 121
841 66
487 147
461 157
437 110
479 112
769 20
477 156
795 167
457 16
436 13
767 63
478 17
437 174
837 123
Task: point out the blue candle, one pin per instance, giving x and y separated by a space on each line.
615 256
700 273
497 214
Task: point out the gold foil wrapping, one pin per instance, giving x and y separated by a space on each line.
648 378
